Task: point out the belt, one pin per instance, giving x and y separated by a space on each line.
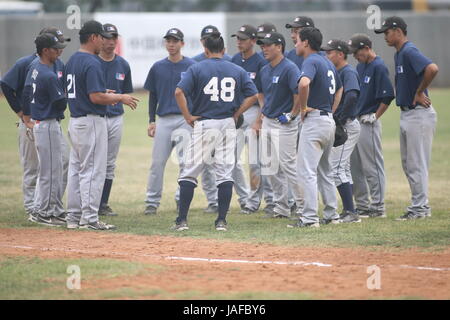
323 113
408 108
85 115
39 121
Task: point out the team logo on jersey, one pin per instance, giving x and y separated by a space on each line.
34 74
366 79
275 79
120 76
60 74
252 75
399 69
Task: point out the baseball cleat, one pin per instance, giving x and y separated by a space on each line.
72 225
211 208
49 221
246 210
106 211
301 224
98 225
349 217
329 221
410 216
180 226
221 225
150 210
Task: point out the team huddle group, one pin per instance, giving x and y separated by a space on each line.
317 114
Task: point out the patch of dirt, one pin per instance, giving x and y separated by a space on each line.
346 278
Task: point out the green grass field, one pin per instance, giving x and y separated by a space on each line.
128 193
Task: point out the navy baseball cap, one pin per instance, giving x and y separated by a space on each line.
272 38
208 30
112 29
392 23
174 33
300 22
359 41
48 40
246 32
56 32
264 29
94 27
336 44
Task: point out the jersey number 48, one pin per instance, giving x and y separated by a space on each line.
226 91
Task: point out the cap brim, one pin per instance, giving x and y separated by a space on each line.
381 30
241 35
106 35
59 46
173 36
67 39
264 41
293 25
327 48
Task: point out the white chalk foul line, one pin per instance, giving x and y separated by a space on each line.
127 254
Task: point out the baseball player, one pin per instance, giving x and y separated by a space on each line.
12 85
320 92
170 127
262 30
298 23
413 74
367 163
45 101
217 87
88 98
207 31
277 87
251 62
117 78
337 51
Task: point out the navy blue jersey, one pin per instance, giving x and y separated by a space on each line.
375 85
117 77
324 81
202 56
298 60
162 80
46 89
84 75
410 64
278 84
252 65
217 87
15 77
350 81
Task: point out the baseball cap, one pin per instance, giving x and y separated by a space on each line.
392 23
246 32
336 44
208 30
112 29
56 32
300 22
174 33
94 27
359 41
48 40
265 28
272 38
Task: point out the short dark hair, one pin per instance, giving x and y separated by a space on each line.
84 38
313 35
214 43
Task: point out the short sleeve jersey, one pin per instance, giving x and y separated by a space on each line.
350 81
216 87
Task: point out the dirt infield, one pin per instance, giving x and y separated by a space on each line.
211 266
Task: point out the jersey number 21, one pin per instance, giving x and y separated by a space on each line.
226 90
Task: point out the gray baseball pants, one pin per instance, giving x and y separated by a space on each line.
87 167
314 166
417 128
114 126
367 169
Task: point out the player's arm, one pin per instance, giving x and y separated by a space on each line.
27 96
182 104
337 99
385 90
258 121
152 104
106 99
303 94
429 73
246 104
11 97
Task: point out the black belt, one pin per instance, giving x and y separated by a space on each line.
323 113
85 115
408 108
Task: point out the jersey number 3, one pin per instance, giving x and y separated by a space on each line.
226 91
332 88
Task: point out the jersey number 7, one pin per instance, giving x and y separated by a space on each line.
226 92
